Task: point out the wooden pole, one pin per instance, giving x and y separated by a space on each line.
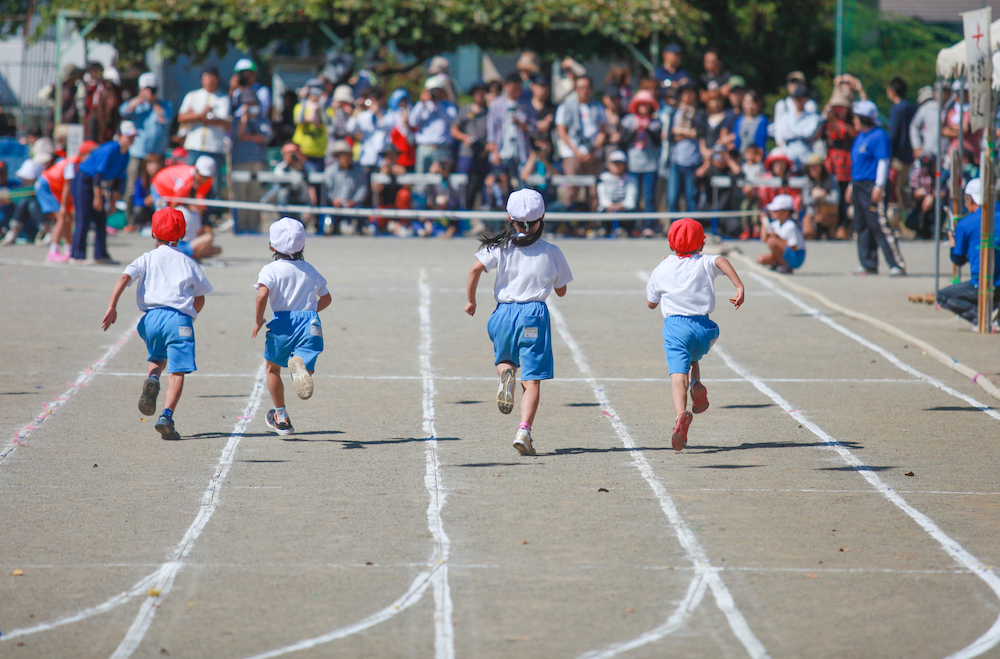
987 177
957 204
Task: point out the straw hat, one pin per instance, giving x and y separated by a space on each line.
840 97
528 61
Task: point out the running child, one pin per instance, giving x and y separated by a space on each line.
783 237
683 286
528 269
171 291
297 292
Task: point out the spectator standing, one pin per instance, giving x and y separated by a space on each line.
205 114
619 78
292 162
251 135
311 120
715 78
431 119
510 123
715 131
750 127
970 141
107 164
870 156
900 116
401 136
797 129
582 127
471 133
371 127
671 75
641 140
338 115
924 127
345 185
564 85
737 90
439 67
545 111
69 92
837 132
922 184
686 130
152 118
527 67
245 79
102 125
786 105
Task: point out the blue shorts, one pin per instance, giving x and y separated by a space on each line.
521 336
46 199
184 247
297 333
169 334
794 257
687 339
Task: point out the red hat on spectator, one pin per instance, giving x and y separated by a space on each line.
777 154
169 225
643 96
86 147
686 236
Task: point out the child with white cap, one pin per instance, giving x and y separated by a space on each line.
528 269
683 286
783 237
297 292
171 291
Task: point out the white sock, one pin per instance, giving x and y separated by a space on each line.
280 414
53 247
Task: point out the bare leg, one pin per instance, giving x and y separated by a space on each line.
503 366
174 389
678 391
155 368
275 385
530 392
695 371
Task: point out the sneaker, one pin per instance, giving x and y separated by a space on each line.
522 442
897 272
862 271
301 379
785 269
165 427
147 400
225 225
680 437
12 233
43 238
53 257
280 427
505 392
699 398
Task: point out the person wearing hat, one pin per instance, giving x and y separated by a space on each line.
27 216
170 291
528 270
617 190
924 127
206 115
683 287
820 198
297 293
776 182
289 193
793 81
837 132
783 237
796 131
151 116
346 185
870 157
53 190
671 74
251 134
106 165
245 77
340 109
641 138
527 66
964 241
564 79
431 120
391 194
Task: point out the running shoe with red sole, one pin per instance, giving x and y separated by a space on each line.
680 436
699 398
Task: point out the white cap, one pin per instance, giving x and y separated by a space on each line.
205 165
30 169
288 236
111 75
617 156
958 86
148 80
244 64
782 202
867 109
438 81
343 94
525 205
974 189
127 129
42 150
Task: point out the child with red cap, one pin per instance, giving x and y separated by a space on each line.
683 286
171 291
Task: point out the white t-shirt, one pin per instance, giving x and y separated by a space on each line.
69 172
526 274
167 278
192 223
790 231
591 117
684 287
201 137
291 285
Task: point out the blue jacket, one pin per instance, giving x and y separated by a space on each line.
966 249
106 162
153 131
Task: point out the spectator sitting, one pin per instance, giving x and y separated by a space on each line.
178 156
289 193
753 170
923 188
440 197
27 219
783 237
345 185
778 168
671 74
391 194
837 132
431 120
617 189
794 80
821 198
539 166
797 129
641 139
750 127
963 298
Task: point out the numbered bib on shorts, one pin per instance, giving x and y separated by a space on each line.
315 330
531 332
185 332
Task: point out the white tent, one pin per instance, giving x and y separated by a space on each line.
951 61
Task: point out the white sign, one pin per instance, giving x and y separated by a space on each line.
74 138
979 72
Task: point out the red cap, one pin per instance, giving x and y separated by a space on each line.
86 147
686 236
169 225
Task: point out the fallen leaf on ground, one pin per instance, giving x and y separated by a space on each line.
629 610
811 575
153 592
909 473
369 563
602 489
524 542
18 573
95 464
844 549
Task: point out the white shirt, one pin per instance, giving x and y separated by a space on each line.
291 285
69 172
526 274
591 119
167 278
790 231
684 287
201 137
192 223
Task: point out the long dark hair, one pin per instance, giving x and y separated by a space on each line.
297 256
499 239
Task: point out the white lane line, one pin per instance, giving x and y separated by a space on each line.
893 359
992 636
209 503
436 572
685 536
163 577
82 380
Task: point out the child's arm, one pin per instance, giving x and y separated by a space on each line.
474 273
561 291
111 315
727 269
324 302
199 303
652 305
261 304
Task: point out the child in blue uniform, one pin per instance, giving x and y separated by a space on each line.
683 286
528 269
171 291
297 292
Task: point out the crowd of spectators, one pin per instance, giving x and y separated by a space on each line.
671 141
